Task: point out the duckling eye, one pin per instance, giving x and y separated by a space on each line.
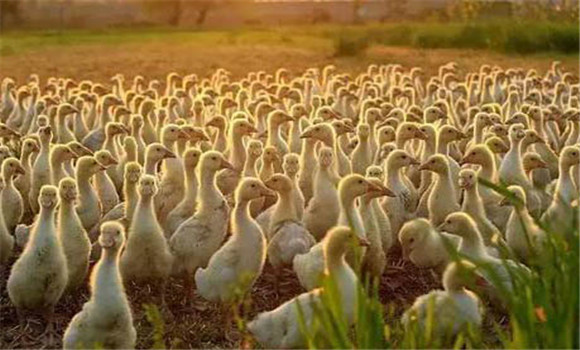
412 240
472 153
158 149
448 221
409 128
253 186
403 157
213 158
574 153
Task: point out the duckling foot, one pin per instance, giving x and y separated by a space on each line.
49 336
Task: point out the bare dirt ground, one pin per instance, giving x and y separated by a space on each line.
155 59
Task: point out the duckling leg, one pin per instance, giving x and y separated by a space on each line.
188 286
226 310
49 331
167 314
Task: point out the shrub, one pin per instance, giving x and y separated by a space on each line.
350 44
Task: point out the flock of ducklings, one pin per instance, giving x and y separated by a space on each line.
209 179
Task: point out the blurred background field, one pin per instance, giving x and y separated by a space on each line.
155 37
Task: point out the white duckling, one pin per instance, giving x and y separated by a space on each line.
59 156
442 197
473 205
323 210
12 207
286 235
495 271
234 268
402 207
450 311
39 276
424 246
147 256
106 191
88 207
280 328
154 154
200 236
558 214
309 267
375 258
523 235
362 156
6 241
291 167
73 237
105 320
22 182
186 207
220 123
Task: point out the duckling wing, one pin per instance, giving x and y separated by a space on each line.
289 239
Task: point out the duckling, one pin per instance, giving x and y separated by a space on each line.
63 133
362 155
73 237
280 328
87 207
473 205
310 266
39 277
455 309
424 246
105 320
146 257
286 235
106 191
234 268
41 168
22 182
559 212
441 198
323 210
495 271
402 207
6 240
79 150
220 123
523 235
59 155
11 199
154 154
375 258
200 236
186 207
291 166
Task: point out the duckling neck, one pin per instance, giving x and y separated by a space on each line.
209 195
106 283
478 134
242 218
472 202
190 186
285 209
349 215
488 169
238 154
442 146
336 262
150 166
250 166
46 221
394 177
472 244
565 186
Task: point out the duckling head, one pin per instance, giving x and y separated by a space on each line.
478 154
172 132
243 127
496 145
30 145
270 155
218 122
459 274
45 134
355 185
254 149
62 153
65 109
437 163
6 131
378 189
338 241
531 137
251 188
412 234
132 172
386 133
517 132
326 113
67 189
278 117
213 161
517 118
321 132
88 166
399 159
147 186
325 157
191 158
11 167
532 160
105 158
48 197
450 133
428 132
373 115
375 171
467 178
386 149
291 164
112 236
79 149
158 152
570 156
459 224
433 113
409 130
279 183
298 111
363 131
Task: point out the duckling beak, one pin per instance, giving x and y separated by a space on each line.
250 129
227 165
442 227
373 188
421 135
542 164
414 161
182 134
424 166
266 192
363 242
504 202
306 134
20 170
169 154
